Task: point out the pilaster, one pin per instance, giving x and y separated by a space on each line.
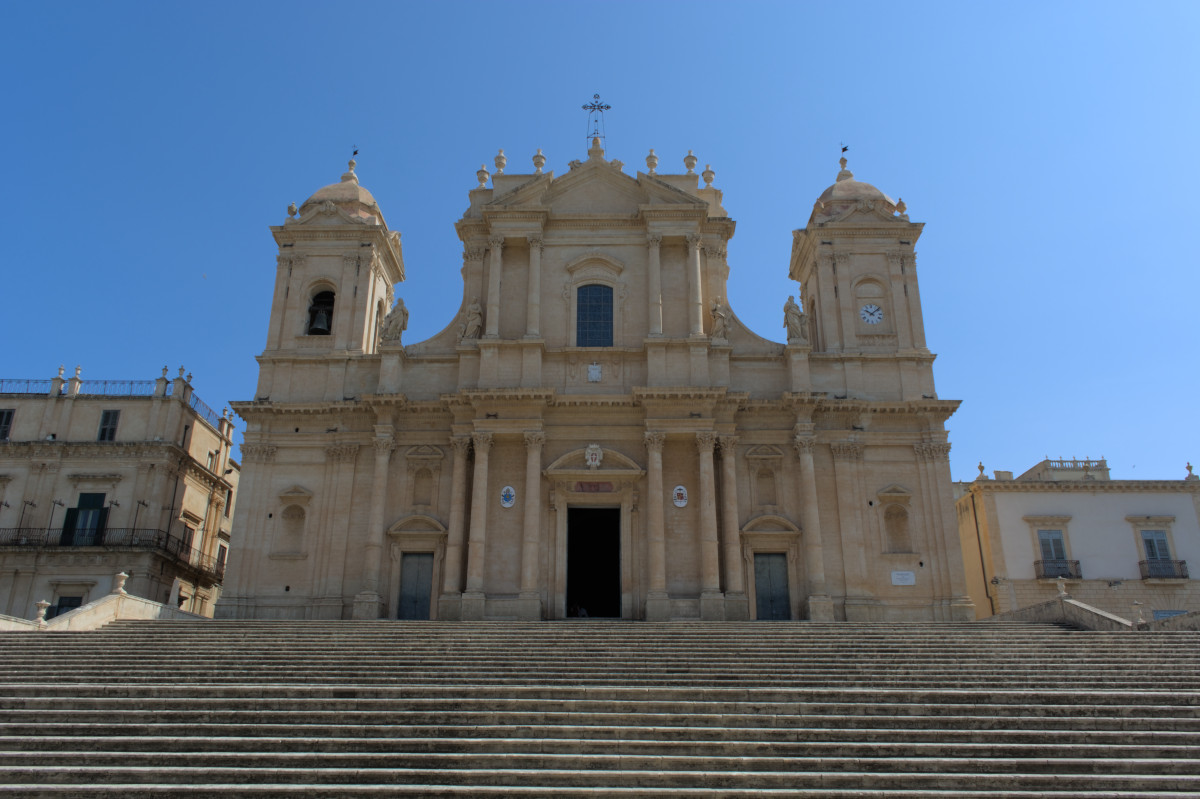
658 604
712 606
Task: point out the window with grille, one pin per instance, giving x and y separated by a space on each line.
594 316
108 425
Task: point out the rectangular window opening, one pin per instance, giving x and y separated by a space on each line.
108 425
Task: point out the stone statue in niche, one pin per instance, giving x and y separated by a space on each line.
796 322
720 320
395 323
474 324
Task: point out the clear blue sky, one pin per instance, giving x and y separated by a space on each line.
1050 148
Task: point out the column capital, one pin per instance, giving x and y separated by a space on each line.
805 445
728 444
482 442
496 241
694 240
384 445
654 441
705 442
341 453
473 254
653 240
846 450
932 452
536 242
534 439
461 445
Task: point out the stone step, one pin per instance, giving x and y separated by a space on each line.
64 773
203 706
1142 746
677 733
283 791
800 765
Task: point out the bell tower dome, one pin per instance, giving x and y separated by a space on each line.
857 266
335 273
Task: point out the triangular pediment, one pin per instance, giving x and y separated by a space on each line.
594 187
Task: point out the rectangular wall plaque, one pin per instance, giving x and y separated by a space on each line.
904 578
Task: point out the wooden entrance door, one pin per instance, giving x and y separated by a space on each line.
772 602
416 585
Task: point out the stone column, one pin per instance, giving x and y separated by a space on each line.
452 579
492 325
711 608
472 607
695 290
935 472
533 310
820 608
734 578
658 605
367 604
654 293
534 439
846 458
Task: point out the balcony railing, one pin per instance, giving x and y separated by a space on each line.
1163 569
1068 569
117 388
191 560
23 386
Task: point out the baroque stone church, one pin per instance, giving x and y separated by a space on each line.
596 433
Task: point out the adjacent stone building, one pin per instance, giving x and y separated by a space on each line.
1112 542
99 477
596 432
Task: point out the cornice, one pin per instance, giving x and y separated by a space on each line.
643 393
544 395
248 409
1088 487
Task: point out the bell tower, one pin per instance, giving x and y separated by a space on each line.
857 266
335 273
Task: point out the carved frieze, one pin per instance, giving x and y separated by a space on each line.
341 453
846 450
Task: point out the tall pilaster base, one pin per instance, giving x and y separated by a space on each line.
529 607
737 607
472 606
367 606
820 608
450 607
658 607
712 606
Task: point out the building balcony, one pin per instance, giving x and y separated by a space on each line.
190 561
1053 569
1163 569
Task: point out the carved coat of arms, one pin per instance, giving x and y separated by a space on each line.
593 455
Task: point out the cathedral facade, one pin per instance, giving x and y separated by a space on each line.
595 433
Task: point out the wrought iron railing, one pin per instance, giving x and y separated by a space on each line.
21 386
160 541
1057 568
206 413
117 388
1163 569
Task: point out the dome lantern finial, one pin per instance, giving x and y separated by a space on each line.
349 176
845 174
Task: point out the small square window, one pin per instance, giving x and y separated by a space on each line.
108 425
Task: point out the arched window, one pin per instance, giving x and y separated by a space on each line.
895 524
293 525
320 314
765 486
594 316
423 488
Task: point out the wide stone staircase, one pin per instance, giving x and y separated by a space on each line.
598 709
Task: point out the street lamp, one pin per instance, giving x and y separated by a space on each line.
50 521
141 503
25 503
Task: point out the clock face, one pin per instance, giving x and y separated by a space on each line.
871 314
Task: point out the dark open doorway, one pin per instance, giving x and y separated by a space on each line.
594 562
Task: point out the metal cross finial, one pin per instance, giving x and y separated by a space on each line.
596 109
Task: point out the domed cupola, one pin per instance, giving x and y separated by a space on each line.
845 194
349 197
